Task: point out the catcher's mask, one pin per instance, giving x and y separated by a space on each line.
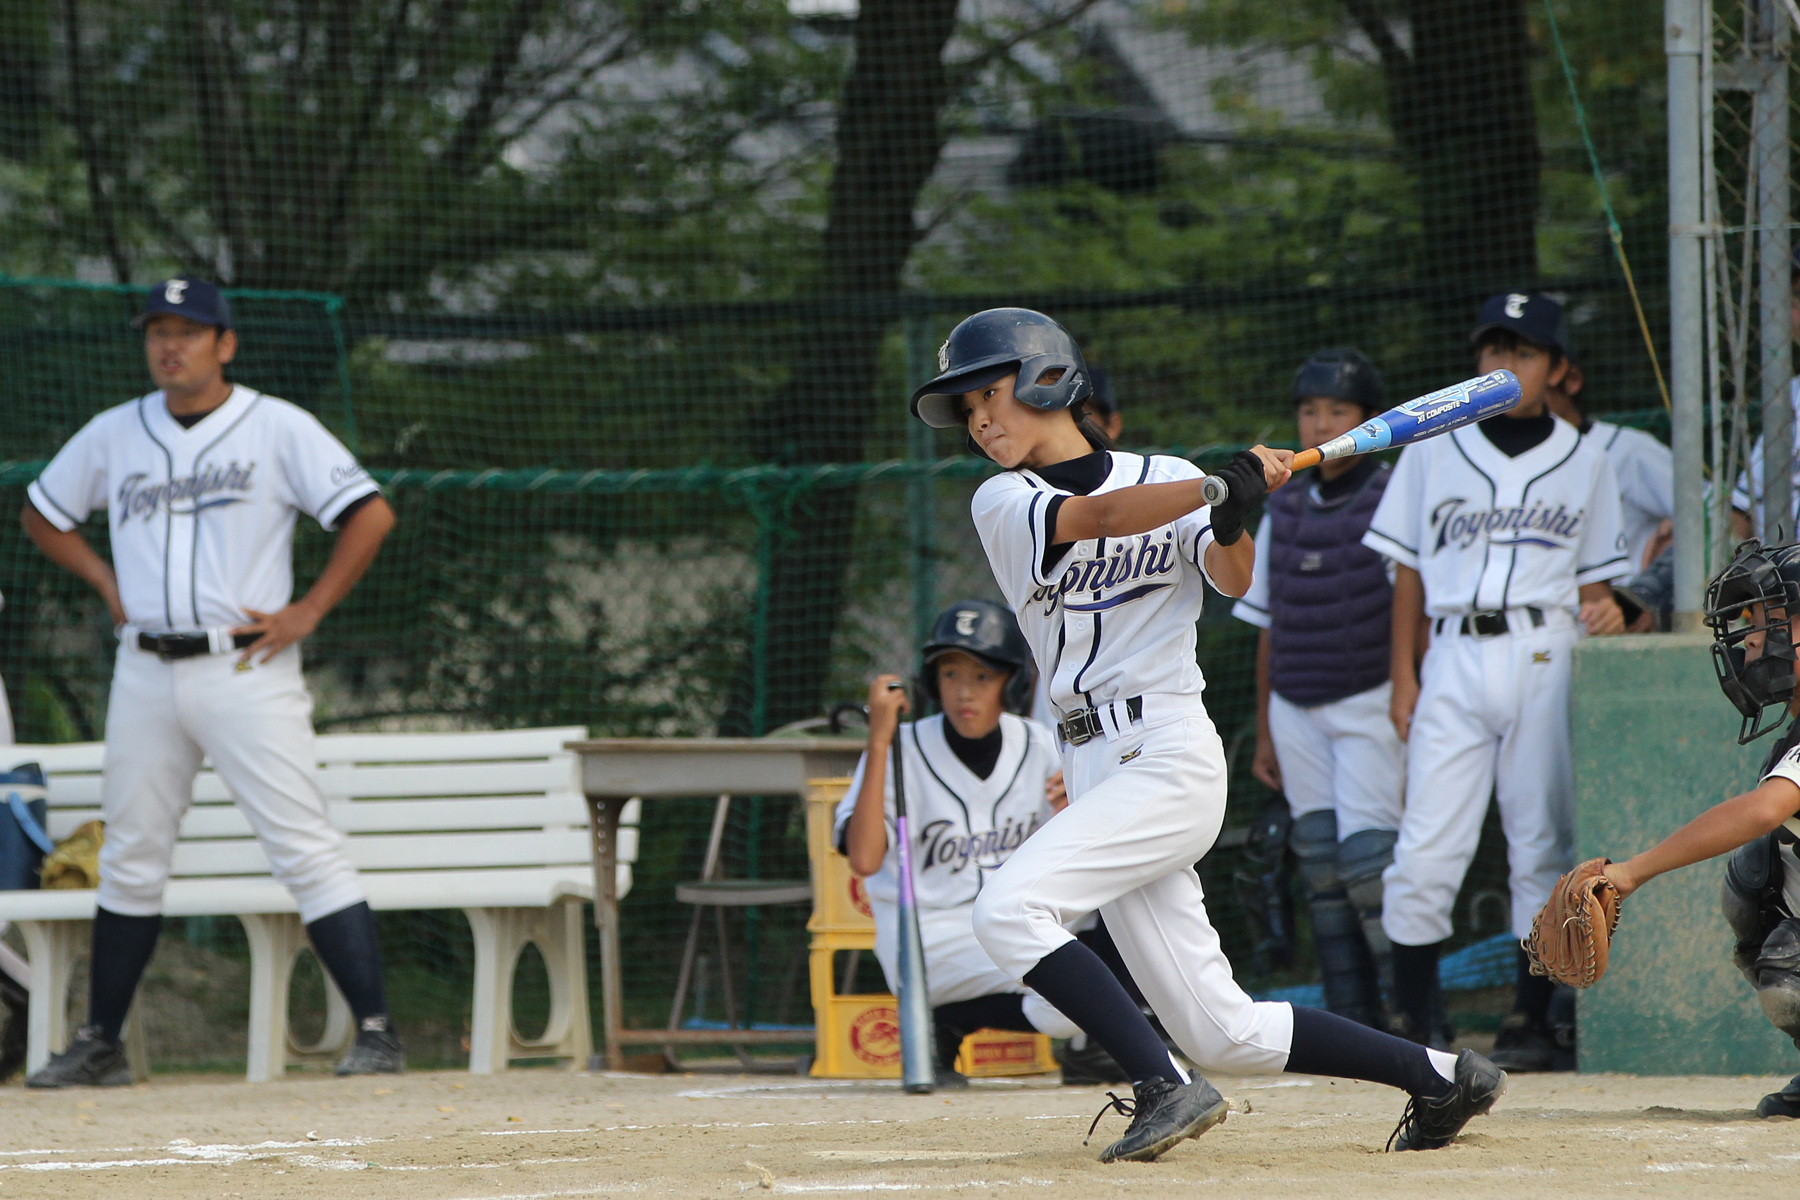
1757 593
990 634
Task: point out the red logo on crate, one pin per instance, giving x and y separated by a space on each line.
875 1036
1010 1052
859 898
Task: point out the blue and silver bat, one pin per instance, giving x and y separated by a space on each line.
918 1072
1438 412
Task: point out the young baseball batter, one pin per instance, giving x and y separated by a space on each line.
1753 607
979 781
1507 537
1323 602
201 482
1101 555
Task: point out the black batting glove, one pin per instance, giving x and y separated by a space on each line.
1244 476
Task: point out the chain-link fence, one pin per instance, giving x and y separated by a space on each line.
621 303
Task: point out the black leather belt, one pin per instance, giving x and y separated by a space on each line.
1085 725
171 646
1488 624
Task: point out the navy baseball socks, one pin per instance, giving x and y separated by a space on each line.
120 951
350 950
1419 997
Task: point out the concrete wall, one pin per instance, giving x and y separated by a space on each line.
1655 744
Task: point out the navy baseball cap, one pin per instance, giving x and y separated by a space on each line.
1532 315
195 299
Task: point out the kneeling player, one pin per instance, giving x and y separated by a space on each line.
979 780
1753 606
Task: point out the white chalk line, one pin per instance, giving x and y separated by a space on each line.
887 1156
955 1186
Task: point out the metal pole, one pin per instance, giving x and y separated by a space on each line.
921 493
1684 25
1769 134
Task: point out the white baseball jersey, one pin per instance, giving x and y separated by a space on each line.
1645 469
202 519
1488 532
1112 618
1788 767
1747 496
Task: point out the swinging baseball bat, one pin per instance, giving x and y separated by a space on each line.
1428 416
918 1074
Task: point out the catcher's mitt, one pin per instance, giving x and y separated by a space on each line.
1572 933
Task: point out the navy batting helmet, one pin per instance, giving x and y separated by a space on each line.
994 344
1765 578
990 633
1340 375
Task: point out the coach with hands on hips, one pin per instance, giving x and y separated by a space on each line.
202 481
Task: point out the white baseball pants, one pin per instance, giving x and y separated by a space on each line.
1493 718
1145 805
956 967
255 726
1343 756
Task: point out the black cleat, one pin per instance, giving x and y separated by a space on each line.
1432 1124
1089 1065
1162 1114
1785 1103
949 1079
90 1061
375 1052
1523 1046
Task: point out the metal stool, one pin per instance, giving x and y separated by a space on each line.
709 891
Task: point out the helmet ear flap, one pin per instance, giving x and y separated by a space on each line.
927 685
1018 696
1071 386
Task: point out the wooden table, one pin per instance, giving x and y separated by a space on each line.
616 770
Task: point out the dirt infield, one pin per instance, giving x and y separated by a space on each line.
531 1134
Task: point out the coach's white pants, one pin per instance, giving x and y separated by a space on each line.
1343 756
1493 718
1143 809
956 967
255 726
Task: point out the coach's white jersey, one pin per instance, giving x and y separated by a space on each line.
1645 469
202 519
1489 532
962 827
1747 496
1114 617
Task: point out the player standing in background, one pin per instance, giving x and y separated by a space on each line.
1747 495
1101 555
1644 467
979 780
1753 607
1324 738
1506 535
202 481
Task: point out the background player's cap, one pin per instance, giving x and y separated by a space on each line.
195 299
1340 375
1532 315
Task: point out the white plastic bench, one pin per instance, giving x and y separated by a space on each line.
493 823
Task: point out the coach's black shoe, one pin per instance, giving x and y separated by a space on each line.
90 1061
1524 1045
15 1010
375 1052
1089 1065
1785 1103
1162 1114
1432 1124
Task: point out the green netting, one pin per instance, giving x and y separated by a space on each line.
622 301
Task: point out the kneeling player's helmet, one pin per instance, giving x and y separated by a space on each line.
990 633
992 345
1340 375
1755 596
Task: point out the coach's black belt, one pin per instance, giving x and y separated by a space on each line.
171 646
1489 624
1085 725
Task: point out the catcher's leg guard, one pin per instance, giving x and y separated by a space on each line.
1361 859
1751 899
1777 977
1262 885
1346 967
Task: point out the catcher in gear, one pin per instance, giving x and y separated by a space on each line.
1753 608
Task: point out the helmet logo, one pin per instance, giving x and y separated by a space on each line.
965 621
172 291
944 357
1515 305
